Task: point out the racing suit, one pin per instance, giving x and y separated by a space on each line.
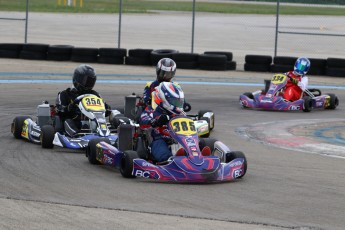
293 92
69 113
161 138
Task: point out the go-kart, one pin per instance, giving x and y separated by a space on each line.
271 98
202 160
134 105
48 129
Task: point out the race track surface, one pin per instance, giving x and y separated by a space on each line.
288 185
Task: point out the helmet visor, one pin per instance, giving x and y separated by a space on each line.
176 102
88 82
166 75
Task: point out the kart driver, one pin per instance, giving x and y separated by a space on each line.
165 72
84 79
298 81
169 99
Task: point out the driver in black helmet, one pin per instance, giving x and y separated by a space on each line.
84 79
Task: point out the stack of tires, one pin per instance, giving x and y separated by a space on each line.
186 60
335 67
258 63
139 57
282 64
216 60
59 52
34 51
112 55
81 54
157 55
317 66
10 50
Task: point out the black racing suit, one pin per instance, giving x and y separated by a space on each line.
69 113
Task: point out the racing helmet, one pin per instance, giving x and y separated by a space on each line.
84 78
302 66
165 69
169 97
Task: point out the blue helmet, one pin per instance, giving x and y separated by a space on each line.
170 97
302 66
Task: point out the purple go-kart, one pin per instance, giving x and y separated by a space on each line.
194 160
271 98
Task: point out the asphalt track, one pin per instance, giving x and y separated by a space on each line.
284 188
295 177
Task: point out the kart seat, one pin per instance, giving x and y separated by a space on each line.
206 151
180 152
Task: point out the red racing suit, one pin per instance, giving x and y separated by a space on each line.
293 92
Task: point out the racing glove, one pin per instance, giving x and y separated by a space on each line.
294 80
160 121
187 107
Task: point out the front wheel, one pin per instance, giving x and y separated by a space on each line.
127 163
308 104
237 154
91 149
17 126
47 136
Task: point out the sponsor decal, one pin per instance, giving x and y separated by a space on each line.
237 173
146 174
35 134
294 107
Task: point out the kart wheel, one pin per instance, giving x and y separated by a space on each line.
125 137
201 114
334 101
91 150
250 95
308 104
47 136
17 126
127 163
209 129
118 120
203 142
237 154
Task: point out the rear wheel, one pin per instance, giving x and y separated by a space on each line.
17 126
91 149
334 101
127 163
308 105
47 136
237 154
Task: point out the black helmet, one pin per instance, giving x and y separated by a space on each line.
166 69
84 78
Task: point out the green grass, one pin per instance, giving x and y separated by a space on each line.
142 6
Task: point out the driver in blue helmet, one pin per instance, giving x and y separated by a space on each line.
298 81
168 102
84 79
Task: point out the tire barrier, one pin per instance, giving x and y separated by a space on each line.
257 63
112 55
209 60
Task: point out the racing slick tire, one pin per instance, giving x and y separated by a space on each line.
203 142
91 150
126 167
201 114
237 154
47 136
17 126
308 104
334 101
